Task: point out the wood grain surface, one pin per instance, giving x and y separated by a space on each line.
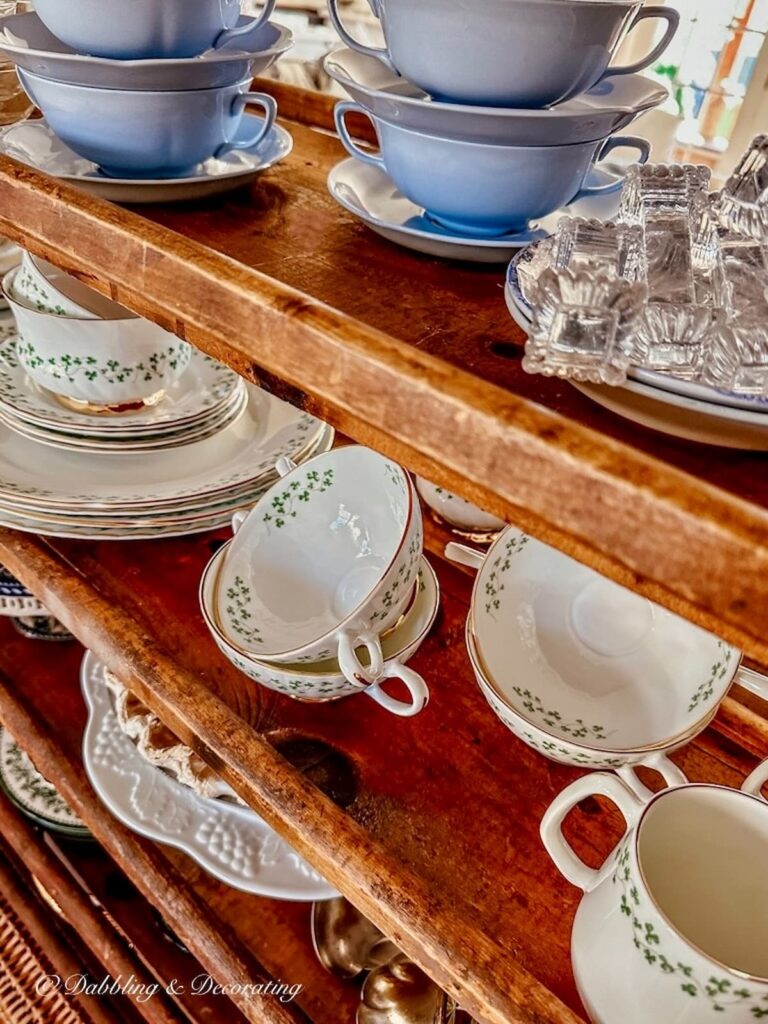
419 358
440 846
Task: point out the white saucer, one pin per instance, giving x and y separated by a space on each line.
33 143
604 110
368 193
229 841
26 41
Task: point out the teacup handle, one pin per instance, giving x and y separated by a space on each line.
416 687
284 466
381 53
643 146
751 680
243 30
239 103
339 114
754 783
351 666
672 19
672 775
464 555
559 849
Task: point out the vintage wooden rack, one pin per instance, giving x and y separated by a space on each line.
436 838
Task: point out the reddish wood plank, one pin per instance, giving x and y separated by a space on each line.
480 908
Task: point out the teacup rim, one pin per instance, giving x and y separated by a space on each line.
413 506
283 43
6 285
669 742
637 828
483 145
23 72
210 619
525 113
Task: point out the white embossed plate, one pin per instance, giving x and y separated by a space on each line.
231 842
204 388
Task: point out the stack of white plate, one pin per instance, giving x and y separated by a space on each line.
688 409
183 466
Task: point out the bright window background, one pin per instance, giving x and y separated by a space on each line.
709 68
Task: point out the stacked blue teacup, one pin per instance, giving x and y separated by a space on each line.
490 115
147 89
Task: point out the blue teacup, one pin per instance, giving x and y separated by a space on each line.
507 53
484 190
136 29
146 134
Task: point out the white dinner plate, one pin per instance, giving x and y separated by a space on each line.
33 143
229 841
688 418
35 477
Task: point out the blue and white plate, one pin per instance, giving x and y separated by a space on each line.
369 194
26 41
34 143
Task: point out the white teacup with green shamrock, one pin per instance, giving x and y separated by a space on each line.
324 563
461 515
98 364
49 289
583 670
325 681
674 925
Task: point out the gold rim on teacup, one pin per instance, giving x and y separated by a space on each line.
677 739
213 618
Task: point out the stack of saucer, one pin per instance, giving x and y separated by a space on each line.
488 123
146 102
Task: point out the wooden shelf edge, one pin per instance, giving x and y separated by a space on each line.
457 954
601 501
212 943
81 914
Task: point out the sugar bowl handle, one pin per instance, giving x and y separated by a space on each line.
413 681
339 114
351 666
559 849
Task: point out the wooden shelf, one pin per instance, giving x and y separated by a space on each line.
440 846
237 938
437 840
419 358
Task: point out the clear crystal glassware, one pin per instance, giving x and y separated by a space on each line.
599 245
745 263
688 290
675 337
742 203
660 188
532 262
583 325
737 359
